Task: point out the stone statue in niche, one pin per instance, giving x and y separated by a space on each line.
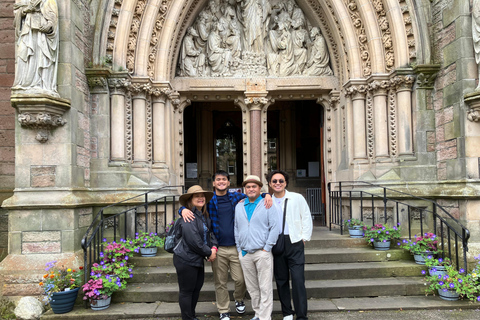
36 36
245 38
476 34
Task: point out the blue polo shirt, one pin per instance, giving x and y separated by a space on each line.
250 207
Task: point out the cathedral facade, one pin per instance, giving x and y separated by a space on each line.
104 99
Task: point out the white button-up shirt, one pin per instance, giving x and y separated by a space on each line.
298 217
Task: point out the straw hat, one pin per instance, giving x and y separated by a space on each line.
191 191
254 179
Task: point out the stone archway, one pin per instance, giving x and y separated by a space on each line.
368 97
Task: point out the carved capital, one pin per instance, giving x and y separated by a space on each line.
97 79
473 102
426 75
40 113
257 103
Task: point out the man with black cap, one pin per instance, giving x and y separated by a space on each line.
255 234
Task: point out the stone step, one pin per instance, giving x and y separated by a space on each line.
324 255
368 287
324 271
316 308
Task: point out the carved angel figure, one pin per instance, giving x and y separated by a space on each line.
36 35
190 55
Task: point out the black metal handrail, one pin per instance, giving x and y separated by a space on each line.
131 211
345 195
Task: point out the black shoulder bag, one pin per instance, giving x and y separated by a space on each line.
279 247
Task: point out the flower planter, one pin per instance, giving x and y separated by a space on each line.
450 295
420 256
437 270
382 246
100 304
63 302
148 252
356 232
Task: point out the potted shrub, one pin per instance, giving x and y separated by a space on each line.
449 286
421 246
471 288
380 235
355 227
60 286
436 266
148 243
109 275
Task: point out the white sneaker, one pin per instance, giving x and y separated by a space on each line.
289 317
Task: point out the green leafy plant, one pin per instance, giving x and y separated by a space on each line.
350 223
381 233
453 279
148 240
426 243
432 262
58 279
111 273
6 309
471 289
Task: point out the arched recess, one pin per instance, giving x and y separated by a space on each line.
371 45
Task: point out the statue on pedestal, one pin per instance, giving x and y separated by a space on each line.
476 34
36 34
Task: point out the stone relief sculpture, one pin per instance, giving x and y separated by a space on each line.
36 31
243 38
476 34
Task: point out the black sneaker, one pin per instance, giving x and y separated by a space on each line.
224 316
240 307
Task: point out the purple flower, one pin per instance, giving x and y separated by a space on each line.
386 232
104 239
131 275
440 260
452 285
379 231
126 257
121 264
430 257
478 298
461 270
434 269
460 280
384 240
423 272
129 269
113 259
441 283
398 243
371 240
383 228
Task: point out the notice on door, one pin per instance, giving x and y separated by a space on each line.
192 170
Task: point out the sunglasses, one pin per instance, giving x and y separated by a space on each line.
279 181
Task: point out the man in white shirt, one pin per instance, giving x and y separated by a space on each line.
298 229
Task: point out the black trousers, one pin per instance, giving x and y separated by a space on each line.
291 264
190 282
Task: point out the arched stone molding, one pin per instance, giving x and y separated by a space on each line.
363 31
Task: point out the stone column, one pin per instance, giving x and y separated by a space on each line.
139 127
379 89
358 96
117 142
255 106
404 114
159 136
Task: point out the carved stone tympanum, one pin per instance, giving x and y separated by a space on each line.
245 38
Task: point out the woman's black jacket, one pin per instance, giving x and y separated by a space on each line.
190 247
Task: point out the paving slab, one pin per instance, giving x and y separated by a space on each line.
208 309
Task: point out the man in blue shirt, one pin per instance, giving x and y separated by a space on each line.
221 209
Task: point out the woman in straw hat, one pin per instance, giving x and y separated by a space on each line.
197 244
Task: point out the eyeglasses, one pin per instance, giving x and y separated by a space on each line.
279 181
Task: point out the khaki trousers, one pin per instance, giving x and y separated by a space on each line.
227 259
258 271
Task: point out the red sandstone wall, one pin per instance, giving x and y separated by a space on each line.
7 113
